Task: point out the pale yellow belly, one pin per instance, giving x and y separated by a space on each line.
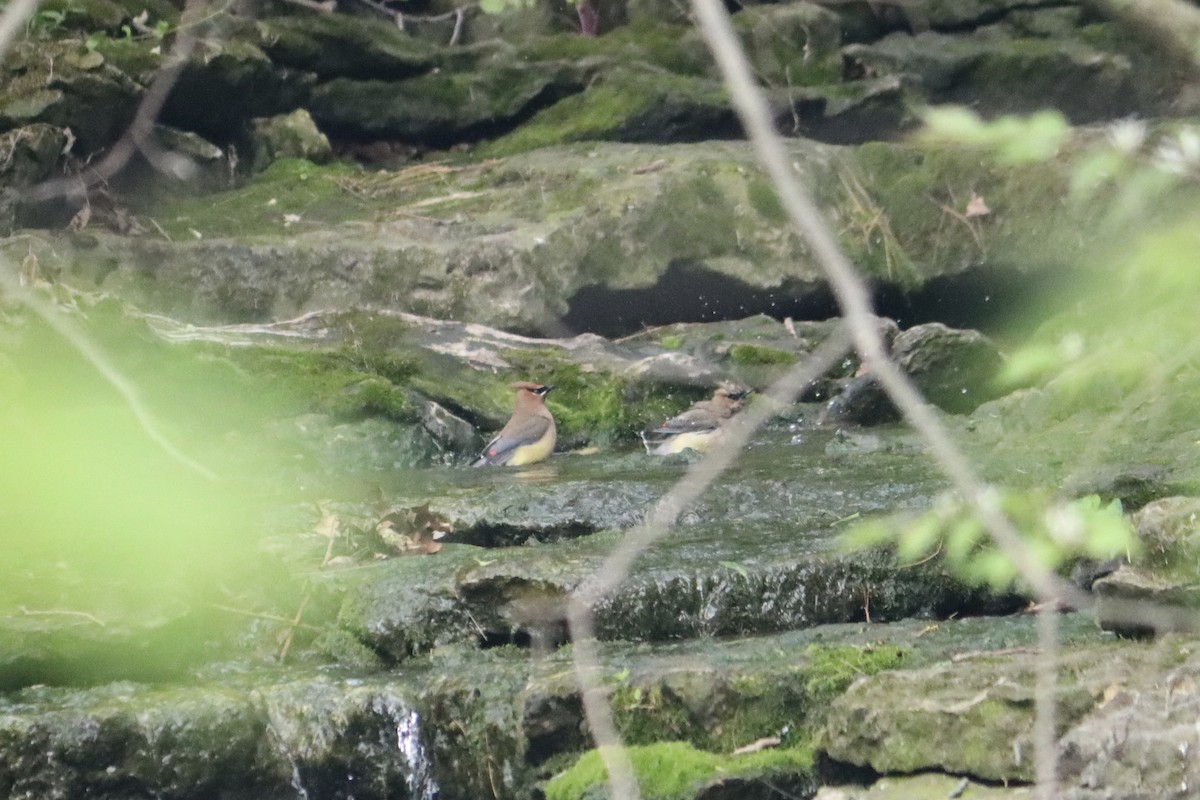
700 441
533 452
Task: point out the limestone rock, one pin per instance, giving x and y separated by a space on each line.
293 135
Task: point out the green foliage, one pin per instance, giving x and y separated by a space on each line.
1134 167
1012 139
1057 532
671 341
48 23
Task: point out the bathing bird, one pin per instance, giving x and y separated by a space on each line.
529 434
700 426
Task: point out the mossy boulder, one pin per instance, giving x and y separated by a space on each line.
1166 572
82 92
601 238
343 46
444 107
293 135
1000 70
964 719
219 90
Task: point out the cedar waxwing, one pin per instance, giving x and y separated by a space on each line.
700 426
529 434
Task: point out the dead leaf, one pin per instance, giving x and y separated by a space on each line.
976 207
81 219
412 530
790 326
31 271
328 526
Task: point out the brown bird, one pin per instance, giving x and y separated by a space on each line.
529 434
700 426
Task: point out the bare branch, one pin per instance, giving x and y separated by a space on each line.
137 136
1045 739
854 300
65 327
613 570
14 17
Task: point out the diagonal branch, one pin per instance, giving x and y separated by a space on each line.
12 19
662 518
137 135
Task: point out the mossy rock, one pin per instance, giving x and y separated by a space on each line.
677 771
440 108
627 105
343 46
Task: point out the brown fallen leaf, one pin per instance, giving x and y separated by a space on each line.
976 207
413 530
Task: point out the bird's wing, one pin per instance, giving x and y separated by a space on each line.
513 435
696 418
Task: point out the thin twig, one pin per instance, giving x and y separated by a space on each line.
1045 740
65 327
12 20
137 136
61 612
294 623
662 517
263 615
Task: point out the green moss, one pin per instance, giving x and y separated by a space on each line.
830 670
754 354
890 236
671 342
594 407
656 44
624 106
262 207
671 770
762 196
338 382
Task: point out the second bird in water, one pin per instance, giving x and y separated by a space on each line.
700 426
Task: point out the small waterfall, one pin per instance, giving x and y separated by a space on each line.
421 783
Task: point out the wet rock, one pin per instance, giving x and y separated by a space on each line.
861 401
355 737
1134 485
1140 741
954 369
343 46
124 739
974 719
484 244
28 154
184 157
793 44
1165 573
217 93
1000 69
314 737
82 92
292 135
440 108
928 785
